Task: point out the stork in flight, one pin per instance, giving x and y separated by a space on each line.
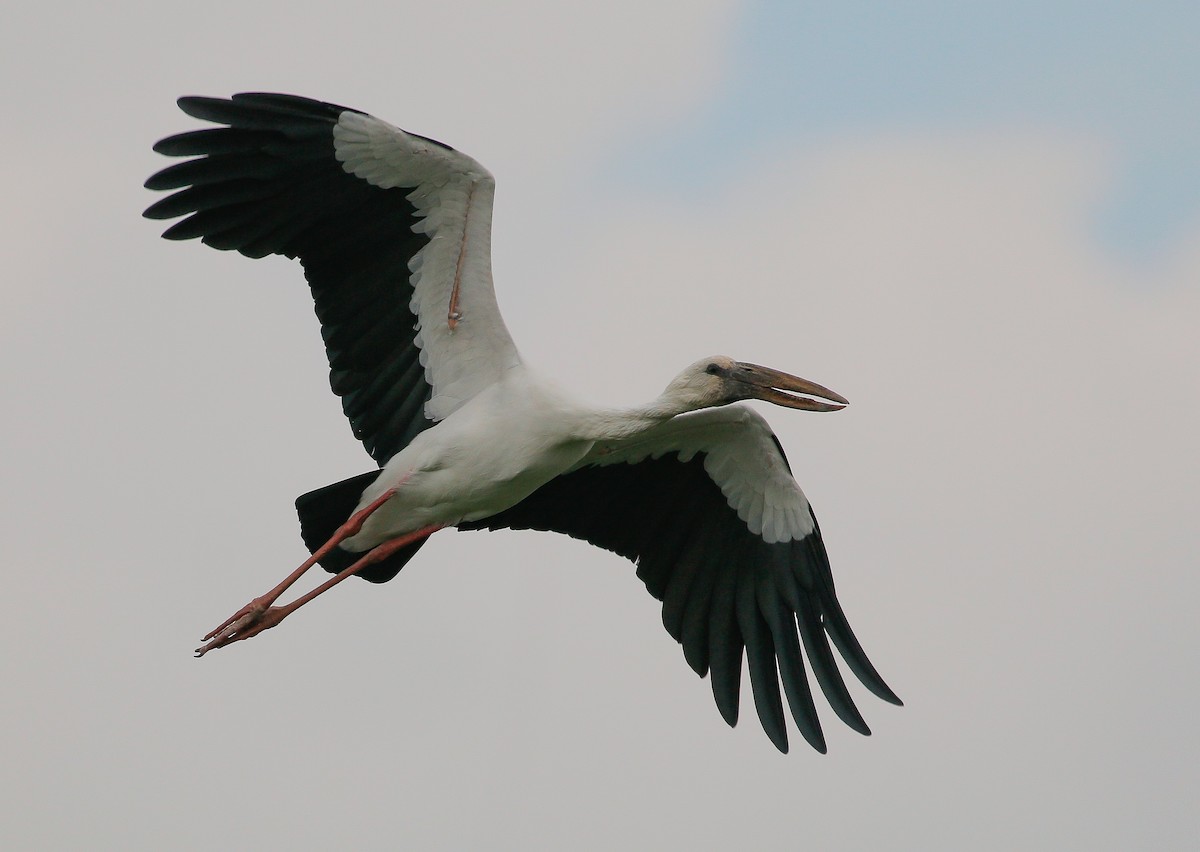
393 231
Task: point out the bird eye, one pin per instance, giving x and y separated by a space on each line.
712 369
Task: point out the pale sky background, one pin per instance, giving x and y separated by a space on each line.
980 222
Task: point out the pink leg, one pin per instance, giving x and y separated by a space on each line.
259 604
259 614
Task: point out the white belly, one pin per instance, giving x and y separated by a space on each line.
489 455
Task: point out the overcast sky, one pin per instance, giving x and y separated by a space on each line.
982 226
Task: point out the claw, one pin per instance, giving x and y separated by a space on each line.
260 615
250 620
256 607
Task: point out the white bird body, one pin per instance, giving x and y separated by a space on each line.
393 231
460 469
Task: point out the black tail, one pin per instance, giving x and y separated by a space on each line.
324 510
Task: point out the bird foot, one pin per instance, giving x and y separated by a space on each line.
250 620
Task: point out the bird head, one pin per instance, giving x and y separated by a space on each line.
720 380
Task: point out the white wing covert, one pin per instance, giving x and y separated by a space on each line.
741 455
464 343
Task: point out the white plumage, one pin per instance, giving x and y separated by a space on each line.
740 456
393 231
465 344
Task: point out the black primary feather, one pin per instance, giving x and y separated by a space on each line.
268 183
727 594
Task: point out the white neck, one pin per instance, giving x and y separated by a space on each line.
618 424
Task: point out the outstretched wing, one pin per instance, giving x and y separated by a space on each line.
721 533
393 231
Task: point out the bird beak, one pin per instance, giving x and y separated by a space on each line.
779 388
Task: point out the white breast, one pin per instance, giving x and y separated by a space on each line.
500 447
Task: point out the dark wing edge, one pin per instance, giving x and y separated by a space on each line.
726 593
267 182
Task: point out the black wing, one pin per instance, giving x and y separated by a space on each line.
268 183
725 591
